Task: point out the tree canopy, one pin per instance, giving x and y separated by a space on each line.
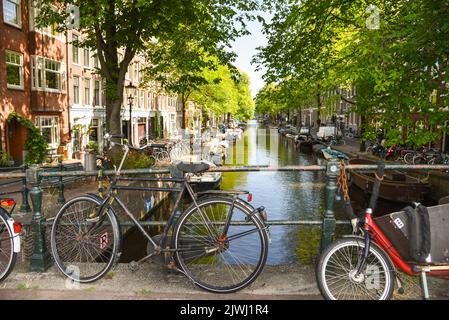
109 26
394 53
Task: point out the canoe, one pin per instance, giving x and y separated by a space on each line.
396 186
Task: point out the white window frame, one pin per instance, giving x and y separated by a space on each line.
38 63
77 48
86 62
84 92
99 93
33 13
136 72
78 86
53 125
142 99
18 4
20 65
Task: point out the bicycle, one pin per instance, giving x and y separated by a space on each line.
366 266
337 141
9 238
208 241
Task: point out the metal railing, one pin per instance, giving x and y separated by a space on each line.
33 176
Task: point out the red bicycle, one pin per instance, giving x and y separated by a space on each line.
365 265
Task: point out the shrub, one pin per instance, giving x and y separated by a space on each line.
4 159
36 145
92 145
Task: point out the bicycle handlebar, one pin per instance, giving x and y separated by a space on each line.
376 187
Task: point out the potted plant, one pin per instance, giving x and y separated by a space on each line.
79 131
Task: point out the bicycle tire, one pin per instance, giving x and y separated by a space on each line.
418 159
327 277
204 239
6 242
408 157
85 270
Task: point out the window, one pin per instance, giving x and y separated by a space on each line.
12 12
49 127
96 62
127 72
142 99
75 49
86 57
136 72
97 101
53 76
47 74
14 70
87 101
76 90
149 100
93 130
36 72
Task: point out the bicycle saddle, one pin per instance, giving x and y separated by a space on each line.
190 167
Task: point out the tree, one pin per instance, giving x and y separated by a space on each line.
395 66
130 25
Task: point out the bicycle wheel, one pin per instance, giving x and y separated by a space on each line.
216 261
408 157
336 273
419 160
163 156
84 246
7 255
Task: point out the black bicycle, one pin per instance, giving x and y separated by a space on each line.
220 241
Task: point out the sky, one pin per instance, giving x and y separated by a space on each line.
245 48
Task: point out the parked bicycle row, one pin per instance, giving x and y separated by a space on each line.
408 155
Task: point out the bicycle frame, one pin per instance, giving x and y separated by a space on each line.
375 234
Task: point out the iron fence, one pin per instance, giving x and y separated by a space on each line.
31 180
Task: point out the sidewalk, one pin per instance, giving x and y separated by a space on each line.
154 282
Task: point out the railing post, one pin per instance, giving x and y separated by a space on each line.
61 198
25 207
332 172
40 260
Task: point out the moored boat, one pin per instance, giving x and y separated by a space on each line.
329 153
396 186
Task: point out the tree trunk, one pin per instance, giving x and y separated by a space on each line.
362 147
299 119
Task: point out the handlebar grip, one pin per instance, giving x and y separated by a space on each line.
376 186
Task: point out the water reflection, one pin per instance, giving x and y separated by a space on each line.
285 195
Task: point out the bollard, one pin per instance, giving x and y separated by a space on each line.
61 198
332 171
40 260
25 207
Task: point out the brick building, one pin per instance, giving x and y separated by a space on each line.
47 78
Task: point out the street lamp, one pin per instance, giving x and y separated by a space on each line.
131 92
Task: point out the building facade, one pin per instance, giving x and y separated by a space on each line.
46 77
33 78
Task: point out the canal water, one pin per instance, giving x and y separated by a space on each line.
285 196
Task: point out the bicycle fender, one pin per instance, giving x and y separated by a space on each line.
16 236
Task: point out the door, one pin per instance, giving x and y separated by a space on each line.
16 137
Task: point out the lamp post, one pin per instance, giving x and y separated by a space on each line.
131 91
